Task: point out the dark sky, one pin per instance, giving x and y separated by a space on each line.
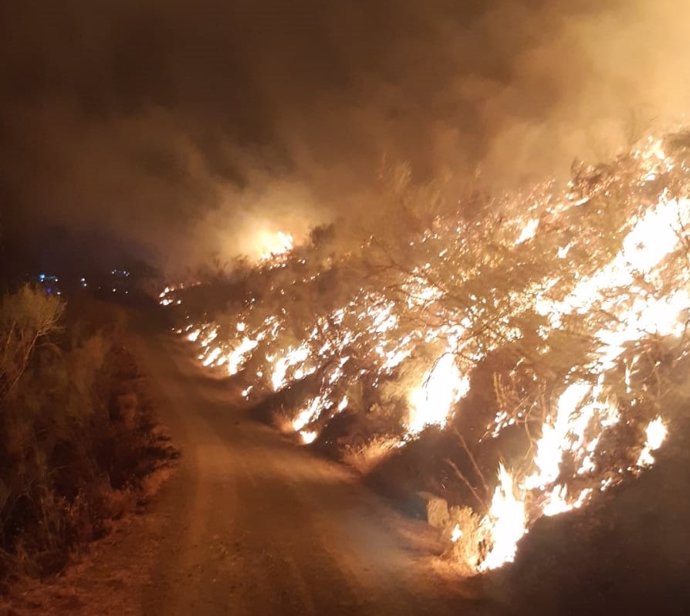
183 129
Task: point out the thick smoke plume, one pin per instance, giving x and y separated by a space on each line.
192 128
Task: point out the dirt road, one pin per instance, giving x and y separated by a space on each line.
253 524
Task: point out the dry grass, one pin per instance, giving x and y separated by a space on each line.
77 438
282 420
465 536
364 458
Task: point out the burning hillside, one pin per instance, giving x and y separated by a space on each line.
539 337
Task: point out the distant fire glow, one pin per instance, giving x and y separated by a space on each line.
270 245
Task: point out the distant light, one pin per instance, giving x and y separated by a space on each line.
114 290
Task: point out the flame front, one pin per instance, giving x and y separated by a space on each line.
578 298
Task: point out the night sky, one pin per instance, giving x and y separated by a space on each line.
176 130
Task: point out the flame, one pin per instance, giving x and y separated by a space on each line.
557 500
169 295
528 231
211 358
307 414
656 432
292 358
237 357
432 401
506 523
271 245
554 441
308 437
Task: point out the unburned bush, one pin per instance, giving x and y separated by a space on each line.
76 434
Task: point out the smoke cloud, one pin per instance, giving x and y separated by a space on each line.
188 129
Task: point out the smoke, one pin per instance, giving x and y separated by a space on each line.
193 128
593 85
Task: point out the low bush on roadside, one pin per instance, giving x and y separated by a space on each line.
77 437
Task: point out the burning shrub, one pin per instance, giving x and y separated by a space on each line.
542 326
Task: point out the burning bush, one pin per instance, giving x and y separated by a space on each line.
539 330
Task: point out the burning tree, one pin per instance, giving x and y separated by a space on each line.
574 301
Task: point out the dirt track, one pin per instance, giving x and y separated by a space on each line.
261 526
252 524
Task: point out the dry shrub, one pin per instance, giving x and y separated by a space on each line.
367 456
76 434
126 409
464 531
461 530
437 514
27 316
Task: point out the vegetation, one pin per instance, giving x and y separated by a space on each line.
514 354
77 434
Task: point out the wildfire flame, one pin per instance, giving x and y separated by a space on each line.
272 245
615 292
431 402
656 434
506 522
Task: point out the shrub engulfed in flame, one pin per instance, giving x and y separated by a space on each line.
586 292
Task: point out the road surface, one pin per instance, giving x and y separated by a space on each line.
253 524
